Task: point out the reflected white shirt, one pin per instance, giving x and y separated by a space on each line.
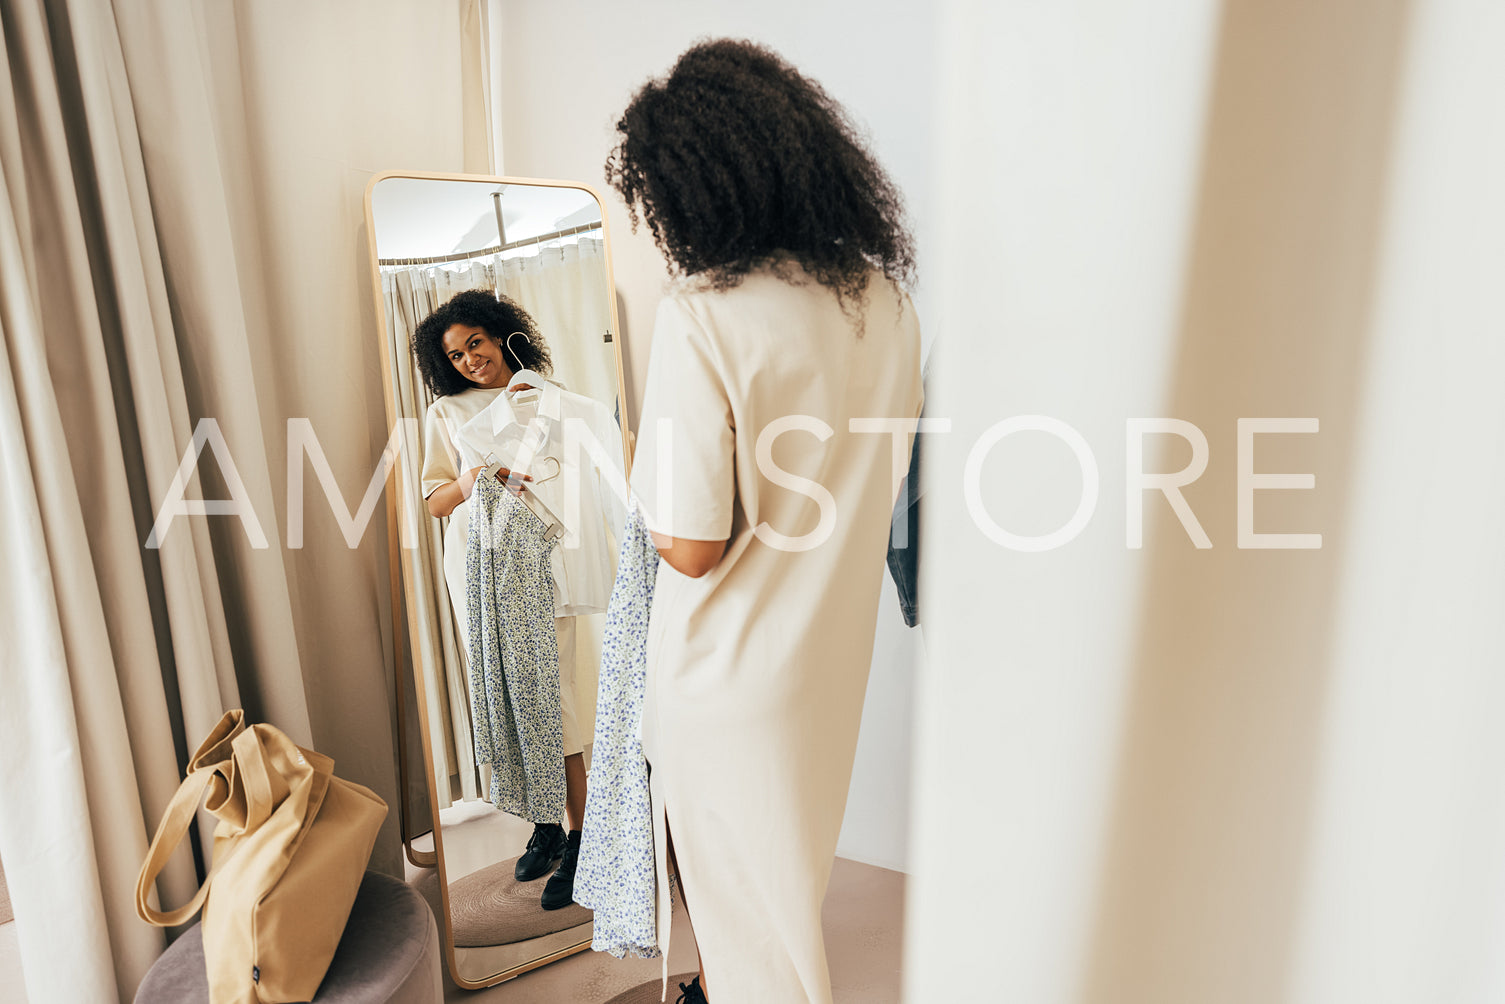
523 429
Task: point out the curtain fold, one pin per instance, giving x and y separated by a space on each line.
93 406
181 241
199 194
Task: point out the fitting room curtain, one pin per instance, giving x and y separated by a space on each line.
182 240
564 288
113 655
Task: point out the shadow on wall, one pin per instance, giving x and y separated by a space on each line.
1200 890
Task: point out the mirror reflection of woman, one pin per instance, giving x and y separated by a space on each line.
468 351
789 243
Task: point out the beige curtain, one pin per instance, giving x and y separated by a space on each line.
182 240
564 288
116 658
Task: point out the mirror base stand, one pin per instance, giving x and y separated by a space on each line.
419 858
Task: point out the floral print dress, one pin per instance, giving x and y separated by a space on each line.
514 655
616 876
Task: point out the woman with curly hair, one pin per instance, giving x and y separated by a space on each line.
787 326
468 351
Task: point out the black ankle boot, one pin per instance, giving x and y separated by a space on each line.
559 891
691 993
545 848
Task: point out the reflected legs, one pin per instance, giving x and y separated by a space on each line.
574 784
560 890
577 732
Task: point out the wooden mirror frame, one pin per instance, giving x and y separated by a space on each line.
404 610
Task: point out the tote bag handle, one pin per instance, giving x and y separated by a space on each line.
213 757
170 833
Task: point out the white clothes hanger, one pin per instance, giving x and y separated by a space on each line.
515 356
525 382
552 527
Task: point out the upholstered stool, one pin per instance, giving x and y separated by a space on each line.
389 954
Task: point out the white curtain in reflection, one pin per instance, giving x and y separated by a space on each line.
564 288
562 285
410 295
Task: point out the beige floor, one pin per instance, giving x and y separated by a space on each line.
863 921
12 985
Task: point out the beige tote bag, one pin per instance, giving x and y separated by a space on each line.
290 849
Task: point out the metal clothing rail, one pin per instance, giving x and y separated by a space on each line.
498 249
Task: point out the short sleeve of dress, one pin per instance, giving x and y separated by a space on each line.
439 465
684 471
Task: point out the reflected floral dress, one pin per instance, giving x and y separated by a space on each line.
514 655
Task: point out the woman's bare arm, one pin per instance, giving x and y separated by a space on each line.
689 557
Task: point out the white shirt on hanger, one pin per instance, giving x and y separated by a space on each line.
525 430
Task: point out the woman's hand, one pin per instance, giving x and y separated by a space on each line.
505 477
447 497
467 481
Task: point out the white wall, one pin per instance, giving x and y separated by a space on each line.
1404 880
1062 280
569 68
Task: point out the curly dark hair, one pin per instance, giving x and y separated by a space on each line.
736 155
499 316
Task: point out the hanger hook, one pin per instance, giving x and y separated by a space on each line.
557 468
520 364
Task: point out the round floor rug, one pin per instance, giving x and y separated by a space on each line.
491 907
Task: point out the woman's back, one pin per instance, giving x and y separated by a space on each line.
758 667
757 670
799 494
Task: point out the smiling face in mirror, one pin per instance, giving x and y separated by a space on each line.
476 355
482 280
478 338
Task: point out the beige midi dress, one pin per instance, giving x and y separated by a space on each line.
757 670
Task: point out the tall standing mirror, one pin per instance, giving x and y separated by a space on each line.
484 402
